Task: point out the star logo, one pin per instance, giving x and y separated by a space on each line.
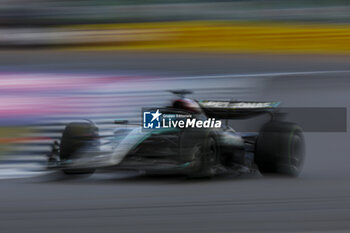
151 120
156 115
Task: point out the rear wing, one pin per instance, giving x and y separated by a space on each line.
237 109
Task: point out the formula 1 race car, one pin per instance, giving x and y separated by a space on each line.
188 139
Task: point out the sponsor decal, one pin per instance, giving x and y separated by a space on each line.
238 105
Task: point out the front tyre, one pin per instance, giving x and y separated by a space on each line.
75 136
280 149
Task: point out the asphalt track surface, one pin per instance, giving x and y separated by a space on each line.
318 201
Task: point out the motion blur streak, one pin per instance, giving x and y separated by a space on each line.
201 36
196 26
214 37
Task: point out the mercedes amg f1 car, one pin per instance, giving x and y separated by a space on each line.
277 148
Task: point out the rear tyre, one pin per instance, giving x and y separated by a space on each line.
75 136
280 149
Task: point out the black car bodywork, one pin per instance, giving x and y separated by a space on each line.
278 148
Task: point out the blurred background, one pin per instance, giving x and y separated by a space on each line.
103 60
225 26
